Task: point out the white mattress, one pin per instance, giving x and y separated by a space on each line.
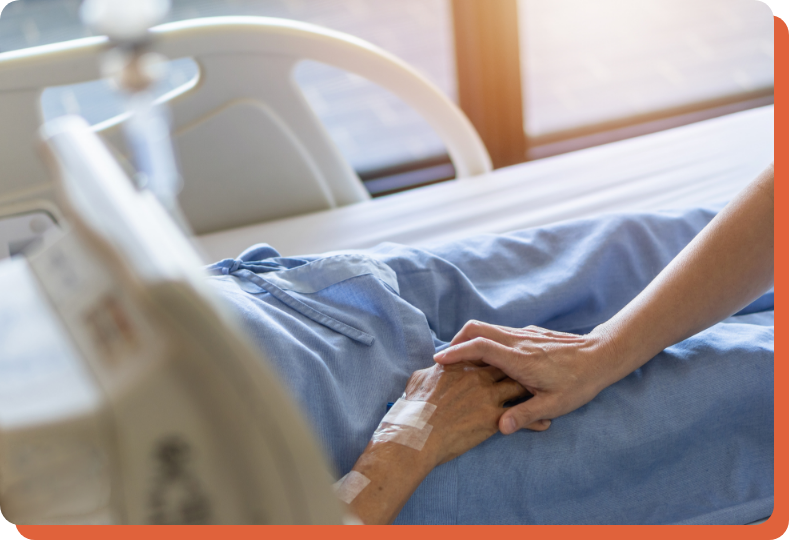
693 165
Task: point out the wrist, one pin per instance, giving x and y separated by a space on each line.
613 355
394 471
624 346
405 461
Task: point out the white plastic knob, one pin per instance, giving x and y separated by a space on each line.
123 20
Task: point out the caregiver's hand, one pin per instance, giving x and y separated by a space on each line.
563 371
727 266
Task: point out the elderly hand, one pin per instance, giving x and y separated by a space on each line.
469 401
563 371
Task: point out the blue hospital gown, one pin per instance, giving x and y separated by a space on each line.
688 438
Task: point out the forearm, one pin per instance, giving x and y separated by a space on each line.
394 471
463 404
728 265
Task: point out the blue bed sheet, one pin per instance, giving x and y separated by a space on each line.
688 438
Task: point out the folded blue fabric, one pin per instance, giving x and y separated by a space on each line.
688 438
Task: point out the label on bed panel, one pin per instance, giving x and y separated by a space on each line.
105 320
111 329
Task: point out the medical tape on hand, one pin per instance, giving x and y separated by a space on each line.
406 424
405 435
350 485
410 413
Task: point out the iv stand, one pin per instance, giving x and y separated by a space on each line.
134 69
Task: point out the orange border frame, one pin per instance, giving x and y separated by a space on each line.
771 529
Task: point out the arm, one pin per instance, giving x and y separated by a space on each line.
469 402
729 264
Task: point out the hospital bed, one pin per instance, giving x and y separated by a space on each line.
321 206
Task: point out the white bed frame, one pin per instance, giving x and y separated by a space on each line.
251 148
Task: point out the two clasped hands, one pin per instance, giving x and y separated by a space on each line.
561 371
727 266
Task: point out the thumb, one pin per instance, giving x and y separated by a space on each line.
527 414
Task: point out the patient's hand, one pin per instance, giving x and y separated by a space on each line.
469 401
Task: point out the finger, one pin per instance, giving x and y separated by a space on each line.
509 390
469 331
490 352
494 354
539 425
475 363
538 329
478 363
474 329
523 415
495 373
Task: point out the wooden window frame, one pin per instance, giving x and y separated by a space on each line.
488 63
487 58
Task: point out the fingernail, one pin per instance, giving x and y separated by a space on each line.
438 356
509 426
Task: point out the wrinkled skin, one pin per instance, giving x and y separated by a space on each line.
470 400
563 371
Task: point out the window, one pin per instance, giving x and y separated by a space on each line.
536 77
607 69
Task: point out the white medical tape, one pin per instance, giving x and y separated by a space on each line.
403 434
350 485
350 519
410 413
